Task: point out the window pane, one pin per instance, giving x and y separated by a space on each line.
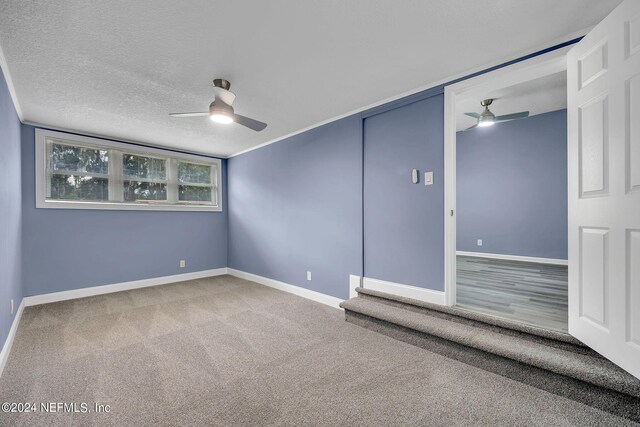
144 167
194 173
137 190
74 187
191 193
80 159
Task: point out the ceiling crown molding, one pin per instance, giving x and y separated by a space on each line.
7 77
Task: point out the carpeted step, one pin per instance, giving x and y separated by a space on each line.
461 313
561 357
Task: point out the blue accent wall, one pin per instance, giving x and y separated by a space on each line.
68 249
512 187
296 206
403 221
10 211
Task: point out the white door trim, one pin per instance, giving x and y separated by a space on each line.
539 66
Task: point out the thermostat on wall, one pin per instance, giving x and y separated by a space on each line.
415 177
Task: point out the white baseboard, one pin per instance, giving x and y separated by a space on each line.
407 291
553 261
118 287
354 282
6 348
292 289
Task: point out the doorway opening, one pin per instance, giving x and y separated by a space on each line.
507 193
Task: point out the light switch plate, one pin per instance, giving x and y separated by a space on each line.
428 178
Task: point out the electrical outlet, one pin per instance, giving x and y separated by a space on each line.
308 275
479 242
183 263
12 306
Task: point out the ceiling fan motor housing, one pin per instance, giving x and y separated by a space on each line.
487 114
221 111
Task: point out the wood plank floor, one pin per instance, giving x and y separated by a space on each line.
524 291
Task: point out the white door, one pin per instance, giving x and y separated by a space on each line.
604 187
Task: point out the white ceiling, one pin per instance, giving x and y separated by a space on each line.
118 67
537 96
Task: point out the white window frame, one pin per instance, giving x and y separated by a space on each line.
116 175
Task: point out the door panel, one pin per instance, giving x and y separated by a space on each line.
593 148
603 72
404 222
632 36
633 133
633 286
595 286
593 64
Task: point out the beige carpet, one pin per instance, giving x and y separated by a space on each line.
224 351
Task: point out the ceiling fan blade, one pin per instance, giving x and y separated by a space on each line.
474 115
474 126
250 123
189 114
514 116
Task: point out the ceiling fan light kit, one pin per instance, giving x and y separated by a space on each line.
221 118
221 110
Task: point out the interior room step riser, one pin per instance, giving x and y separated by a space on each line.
470 315
569 346
589 394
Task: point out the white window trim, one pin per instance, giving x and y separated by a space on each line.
41 175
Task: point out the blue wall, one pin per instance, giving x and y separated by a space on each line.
10 211
293 205
404 222
296 206
71 248
512 187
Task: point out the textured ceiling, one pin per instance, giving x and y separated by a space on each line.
117 68
537 96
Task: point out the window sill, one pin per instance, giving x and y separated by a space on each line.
67 204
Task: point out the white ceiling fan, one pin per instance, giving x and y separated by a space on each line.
487 118
221 110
